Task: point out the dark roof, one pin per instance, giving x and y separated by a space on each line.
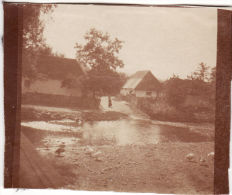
58 68
142 80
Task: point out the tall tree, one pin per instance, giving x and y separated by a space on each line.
213 75
32 36
99 55
212 86
33 26
201 73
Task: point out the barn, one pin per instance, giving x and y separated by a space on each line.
142 84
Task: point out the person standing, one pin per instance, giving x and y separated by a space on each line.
109 102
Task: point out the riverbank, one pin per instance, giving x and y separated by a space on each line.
159 168
125 151
44 113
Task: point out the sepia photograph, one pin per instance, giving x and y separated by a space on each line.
117 98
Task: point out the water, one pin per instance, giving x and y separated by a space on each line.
136 129
121 132
56 126
138 132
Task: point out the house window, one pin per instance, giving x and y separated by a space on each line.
148 93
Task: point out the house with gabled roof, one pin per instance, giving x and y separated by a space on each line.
53 71
58 84
142 84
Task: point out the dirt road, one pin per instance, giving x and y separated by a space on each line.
122 107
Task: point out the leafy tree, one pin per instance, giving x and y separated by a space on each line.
200 84
212 86
100 85
175 91
201 73
99 55
32 25
32 37
213 75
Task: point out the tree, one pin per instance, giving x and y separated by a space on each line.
176 91
32 25
213 75
100 84
201 73
212 86
99 55
32 37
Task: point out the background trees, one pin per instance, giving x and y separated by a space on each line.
175 91
32 37
202 73
200 83
99 55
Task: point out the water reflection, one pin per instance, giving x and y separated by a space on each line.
138 132
120 132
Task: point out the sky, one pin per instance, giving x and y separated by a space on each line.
165 41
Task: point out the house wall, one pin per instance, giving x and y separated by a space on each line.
52 87
140 93
126 92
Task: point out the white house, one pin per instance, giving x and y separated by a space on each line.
142 84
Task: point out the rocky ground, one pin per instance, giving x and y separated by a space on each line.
153 168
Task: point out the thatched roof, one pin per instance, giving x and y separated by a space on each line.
142 80
58 68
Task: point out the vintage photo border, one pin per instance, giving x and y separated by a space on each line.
12 94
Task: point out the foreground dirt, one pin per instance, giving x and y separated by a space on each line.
160 168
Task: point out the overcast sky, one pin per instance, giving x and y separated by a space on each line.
166 41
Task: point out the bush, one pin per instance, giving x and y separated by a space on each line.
175 92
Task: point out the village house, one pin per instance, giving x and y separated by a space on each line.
142 84
49 88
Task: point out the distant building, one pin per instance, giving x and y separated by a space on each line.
53 88
56 71
142 84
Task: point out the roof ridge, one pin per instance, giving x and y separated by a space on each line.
135 79
44 55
